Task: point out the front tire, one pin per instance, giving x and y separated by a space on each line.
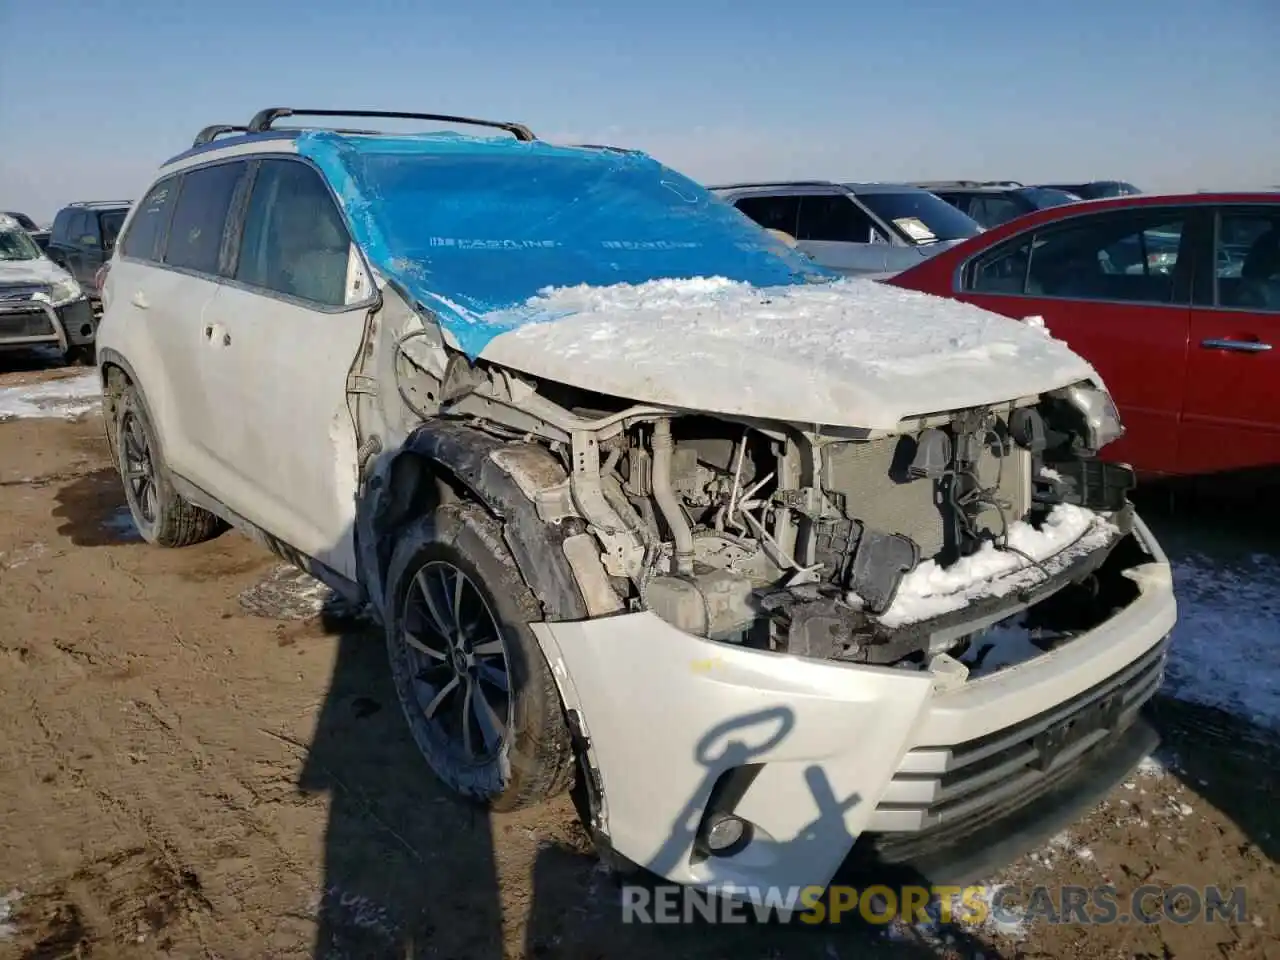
162 516
476 691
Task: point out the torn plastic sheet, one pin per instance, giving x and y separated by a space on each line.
476 226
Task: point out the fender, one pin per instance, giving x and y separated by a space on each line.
107 356
406 481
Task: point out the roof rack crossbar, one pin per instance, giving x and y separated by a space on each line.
213 131
263 119
99 203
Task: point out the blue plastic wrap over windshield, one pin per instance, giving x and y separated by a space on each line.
471 227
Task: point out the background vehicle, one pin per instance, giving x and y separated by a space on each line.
994 202
1174 299
854 228
1095 189
83 238
40 303
637 490
40 236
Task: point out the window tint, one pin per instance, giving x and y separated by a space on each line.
1126 258
294 239
148 222
195 234
61 225
772 213
111 224
75 227
991 211
836 218
1247 260
90 235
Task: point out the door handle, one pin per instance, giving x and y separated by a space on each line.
139 300
1240 346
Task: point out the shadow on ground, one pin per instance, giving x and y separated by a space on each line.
92 510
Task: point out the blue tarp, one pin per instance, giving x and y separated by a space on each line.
472 226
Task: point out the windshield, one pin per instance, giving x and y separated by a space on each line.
1042 197
475 227
16 244
921 217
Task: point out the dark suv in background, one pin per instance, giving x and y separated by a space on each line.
993 202
1096 189
83 238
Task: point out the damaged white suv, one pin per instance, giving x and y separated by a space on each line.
782 569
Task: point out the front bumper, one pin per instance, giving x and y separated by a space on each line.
31 323
833 755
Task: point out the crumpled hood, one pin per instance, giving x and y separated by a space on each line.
42 270
851 353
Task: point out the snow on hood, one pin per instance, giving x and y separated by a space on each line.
851 352
41 270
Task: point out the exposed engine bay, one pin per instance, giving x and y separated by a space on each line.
799 539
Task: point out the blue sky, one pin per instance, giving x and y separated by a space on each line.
1170 94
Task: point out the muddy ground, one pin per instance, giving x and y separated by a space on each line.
184 774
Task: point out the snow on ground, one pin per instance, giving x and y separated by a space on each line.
67 398
929 590
1226 646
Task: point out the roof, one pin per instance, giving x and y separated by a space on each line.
851 186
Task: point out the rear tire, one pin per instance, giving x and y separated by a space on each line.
457 616
162 516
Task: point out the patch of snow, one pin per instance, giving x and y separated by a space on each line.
7 903
851 352
931 590
1048 473
67 398
1226 645
1151 767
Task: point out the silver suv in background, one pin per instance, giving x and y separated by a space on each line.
875 229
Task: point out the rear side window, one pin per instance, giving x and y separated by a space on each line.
200 216
148 223
295 241
836 218
111 224
772 213
61 223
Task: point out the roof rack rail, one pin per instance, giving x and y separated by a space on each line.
99 203
213 131
773 183
263 119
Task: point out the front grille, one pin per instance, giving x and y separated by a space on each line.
21 291
866 474
975 782
26 323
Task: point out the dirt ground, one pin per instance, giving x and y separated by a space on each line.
184 776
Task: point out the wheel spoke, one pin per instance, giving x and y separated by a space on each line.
467 742
441 624
490 648
492 676
151 501
459 581
486 718
441 695
421 647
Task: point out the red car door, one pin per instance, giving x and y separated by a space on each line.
1116 287
1231 414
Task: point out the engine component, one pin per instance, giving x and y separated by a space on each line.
880 561
932 457
1026 426
824 629
665 497
711 603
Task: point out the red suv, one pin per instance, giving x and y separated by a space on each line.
1175 300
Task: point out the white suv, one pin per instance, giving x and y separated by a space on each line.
780 567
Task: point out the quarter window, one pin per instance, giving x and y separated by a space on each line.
773 213
1129 258
295 241
1247 261
148 221
200 216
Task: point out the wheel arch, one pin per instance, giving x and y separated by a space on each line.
443 460
115 374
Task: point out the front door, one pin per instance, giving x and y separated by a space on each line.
1231 414
281 338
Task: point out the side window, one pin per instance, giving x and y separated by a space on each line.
1128 258
991 211
295 241
200 216
75 228
90 234
1247 260
772 213
1001 270
837 218
148 223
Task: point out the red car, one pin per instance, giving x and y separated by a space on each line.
1175 300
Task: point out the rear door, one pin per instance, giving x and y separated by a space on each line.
1116 287
279 340
69 247
1231 414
